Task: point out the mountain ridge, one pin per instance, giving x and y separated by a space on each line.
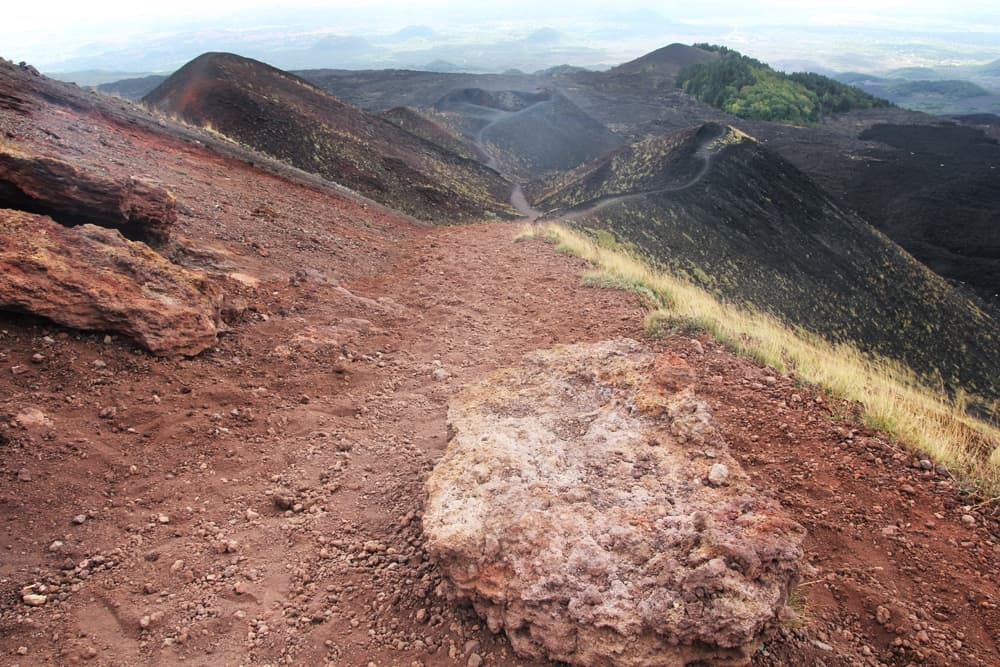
288 117
750 227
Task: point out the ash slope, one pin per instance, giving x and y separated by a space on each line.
748 225
528 134
288 118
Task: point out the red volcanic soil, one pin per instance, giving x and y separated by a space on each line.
260 504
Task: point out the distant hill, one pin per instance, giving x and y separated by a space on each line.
666 61
133 89
931 95
95 77
561 70
942 87
749 226
286 117
991 69
915 74
748 88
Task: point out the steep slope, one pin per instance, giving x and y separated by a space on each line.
930 185
528 133
748 88
423 125
745 223
282 115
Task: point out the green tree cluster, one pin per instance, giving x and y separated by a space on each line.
748 88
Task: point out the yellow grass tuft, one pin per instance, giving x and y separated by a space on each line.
893 398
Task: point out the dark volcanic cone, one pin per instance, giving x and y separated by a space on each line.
281 115
746 224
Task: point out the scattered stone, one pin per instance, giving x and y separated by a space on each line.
79 518
283 499
34 599
545 457
440 374
108 413
718 475
883 615
92 278
926 464
24 475
163 519
56 546
968 520
32 418
88 653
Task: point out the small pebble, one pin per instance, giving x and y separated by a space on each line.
883 615
34 599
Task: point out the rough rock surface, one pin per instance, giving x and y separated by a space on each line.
90 277
573 509
44 185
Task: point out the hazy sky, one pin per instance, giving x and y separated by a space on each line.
45 31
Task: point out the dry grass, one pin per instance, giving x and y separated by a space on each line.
893 398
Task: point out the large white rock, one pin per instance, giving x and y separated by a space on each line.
572 508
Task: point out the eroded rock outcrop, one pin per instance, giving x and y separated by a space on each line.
90 277
573 508
44 185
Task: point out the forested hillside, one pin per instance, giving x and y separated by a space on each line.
748 88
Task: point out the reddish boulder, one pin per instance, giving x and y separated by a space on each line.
90 277
587 505
44 185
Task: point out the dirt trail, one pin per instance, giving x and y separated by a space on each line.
704 154
261 504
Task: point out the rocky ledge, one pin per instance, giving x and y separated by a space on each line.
587 506
45 185
93 278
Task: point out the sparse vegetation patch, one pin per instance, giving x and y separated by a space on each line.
893 398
